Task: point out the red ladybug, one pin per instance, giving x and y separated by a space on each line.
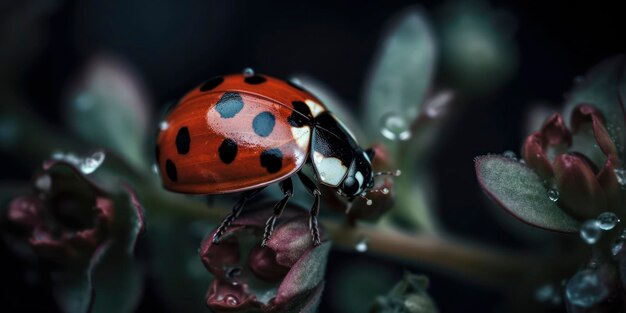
243 132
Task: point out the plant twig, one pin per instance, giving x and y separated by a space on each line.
444 253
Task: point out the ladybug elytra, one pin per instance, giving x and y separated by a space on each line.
243 132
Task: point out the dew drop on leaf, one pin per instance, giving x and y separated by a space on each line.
620 174
617 246
231 300
548 293
91 163
553 195
590 232
361 245
248 72
607 220
585 289
395 127
43 182
510 155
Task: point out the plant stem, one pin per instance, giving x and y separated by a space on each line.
451 255
444 253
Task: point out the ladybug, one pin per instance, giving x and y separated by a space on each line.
243 132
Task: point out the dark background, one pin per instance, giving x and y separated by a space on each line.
174 45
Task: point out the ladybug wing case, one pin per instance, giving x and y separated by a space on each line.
223 142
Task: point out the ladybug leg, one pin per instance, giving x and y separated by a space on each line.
315 210
287 188
235 213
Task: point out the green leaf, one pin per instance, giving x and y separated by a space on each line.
517 189
478 47
605 88
408 295
110 109
402 71
74 289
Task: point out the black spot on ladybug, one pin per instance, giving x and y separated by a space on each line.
255 80
227 150
272 160
170 169
301 114
263 123
212 83
156 154
183 140
229 105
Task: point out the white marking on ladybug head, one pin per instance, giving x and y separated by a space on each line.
302 136
330 170
315 107
359 177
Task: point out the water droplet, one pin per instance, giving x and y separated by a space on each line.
395 127
617 245
590 232
91 163
438 105
607 220
510 155
43 182
586 289
548 293
248 72
553 195
397 173
620 173
361 245
231 300
369 202
232 272
385 191
163 125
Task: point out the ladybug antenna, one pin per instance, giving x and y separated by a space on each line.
390 173
383 190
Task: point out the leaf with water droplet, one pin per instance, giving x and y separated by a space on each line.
590 232
110 109
604 87
517 189
402 71
607 220
586 289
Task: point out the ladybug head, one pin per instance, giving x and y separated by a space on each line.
359 178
